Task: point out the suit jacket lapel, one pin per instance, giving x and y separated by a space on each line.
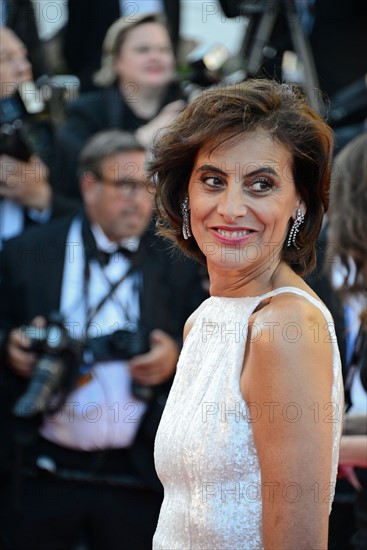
48 281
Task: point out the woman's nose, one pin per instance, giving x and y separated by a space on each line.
232 204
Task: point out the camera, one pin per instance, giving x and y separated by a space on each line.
25 127
122 344
60 357
28 116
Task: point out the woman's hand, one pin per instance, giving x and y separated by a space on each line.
145 134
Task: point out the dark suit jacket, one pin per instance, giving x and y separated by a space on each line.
61 207
88 22
31 279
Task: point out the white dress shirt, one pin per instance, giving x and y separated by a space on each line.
101 413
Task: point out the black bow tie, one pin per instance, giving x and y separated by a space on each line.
121 254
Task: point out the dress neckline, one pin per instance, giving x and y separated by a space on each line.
275 292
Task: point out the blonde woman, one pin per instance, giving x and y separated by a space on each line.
137 92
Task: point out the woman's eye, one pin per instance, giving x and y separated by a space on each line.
212 181
261 185
142 49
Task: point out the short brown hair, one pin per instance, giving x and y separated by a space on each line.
256 104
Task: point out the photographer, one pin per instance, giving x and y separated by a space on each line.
91 464
26 196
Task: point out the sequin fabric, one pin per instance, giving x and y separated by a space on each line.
204 451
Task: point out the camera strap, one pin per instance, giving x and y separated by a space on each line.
93 253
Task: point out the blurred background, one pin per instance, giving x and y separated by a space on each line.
47 117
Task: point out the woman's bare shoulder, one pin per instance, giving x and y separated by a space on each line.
289 339
287 308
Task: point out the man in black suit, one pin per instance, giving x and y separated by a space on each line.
88 22
20 17
90 464
26 197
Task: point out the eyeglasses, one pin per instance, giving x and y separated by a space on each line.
128 187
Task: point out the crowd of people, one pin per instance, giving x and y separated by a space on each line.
98 307
119 290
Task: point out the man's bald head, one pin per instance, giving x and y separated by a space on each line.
15 67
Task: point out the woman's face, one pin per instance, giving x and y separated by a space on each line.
146 58
242 197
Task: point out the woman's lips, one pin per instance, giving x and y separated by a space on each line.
155 69
233 235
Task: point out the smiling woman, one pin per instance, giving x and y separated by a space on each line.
222 114
246 203
242 181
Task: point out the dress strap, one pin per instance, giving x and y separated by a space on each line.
299 292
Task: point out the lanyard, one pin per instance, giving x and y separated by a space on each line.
92 252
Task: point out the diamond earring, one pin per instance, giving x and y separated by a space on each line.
300 218
185 209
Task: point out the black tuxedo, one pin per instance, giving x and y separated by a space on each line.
31 282
32 270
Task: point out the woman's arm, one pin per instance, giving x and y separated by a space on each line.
288 373
355 424
353 450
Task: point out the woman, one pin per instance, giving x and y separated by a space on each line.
247 448
346 237
137 93
346 233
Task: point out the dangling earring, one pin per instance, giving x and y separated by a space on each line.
300 218
186 230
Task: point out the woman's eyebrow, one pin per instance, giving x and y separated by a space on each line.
261 170
267 169
211 168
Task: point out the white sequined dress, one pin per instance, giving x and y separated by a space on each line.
204 451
